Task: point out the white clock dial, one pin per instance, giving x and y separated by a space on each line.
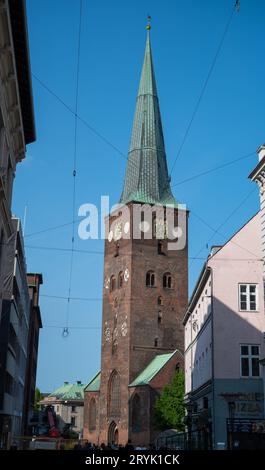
144 226
118 231
126 227
124 329
126 274
161 229
177 232
107 334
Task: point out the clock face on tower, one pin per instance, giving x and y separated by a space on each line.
161 229
126 274
107 282
124 329
118 231
126 227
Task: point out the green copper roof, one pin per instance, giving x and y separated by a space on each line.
94 384
69 392
151 370
147 178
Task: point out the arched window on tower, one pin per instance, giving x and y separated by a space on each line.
112 283
150 279
120 280
92 416
114 399
156 342
117 249
167 281
160 248
136 413
159 317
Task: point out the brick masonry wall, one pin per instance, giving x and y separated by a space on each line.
130 315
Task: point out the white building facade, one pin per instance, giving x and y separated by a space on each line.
224 342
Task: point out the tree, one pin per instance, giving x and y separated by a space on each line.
169 406
38 398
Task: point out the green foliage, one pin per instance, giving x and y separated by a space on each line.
169 406
38 398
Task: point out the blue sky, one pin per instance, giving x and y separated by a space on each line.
229 124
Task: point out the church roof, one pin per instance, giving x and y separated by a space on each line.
69 391
94 384
145 377
147 179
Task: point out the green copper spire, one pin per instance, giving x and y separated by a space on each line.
147 178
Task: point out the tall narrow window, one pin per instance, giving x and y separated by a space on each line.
120 280
73 421
248 297
112 283
205 403
159 317
150 279
159 300
136 413
160 248
249 360
117 249
114 394
167 281
156 342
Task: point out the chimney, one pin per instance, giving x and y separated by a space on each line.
66 383
78 382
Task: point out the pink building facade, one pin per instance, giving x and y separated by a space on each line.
224 342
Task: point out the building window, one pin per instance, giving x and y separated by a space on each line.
136 416
159 300
150 279
117 249
248 297
73 409
114 394
73 421
205 403
167 281
92 415
120 280
112 283
160 248
156 342
9 384
159 317
250 361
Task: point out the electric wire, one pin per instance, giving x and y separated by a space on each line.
66 329
203 90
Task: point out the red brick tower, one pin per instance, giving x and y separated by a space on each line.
145 290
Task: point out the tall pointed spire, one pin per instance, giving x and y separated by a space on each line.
147 178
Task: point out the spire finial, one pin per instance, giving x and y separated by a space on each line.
148 27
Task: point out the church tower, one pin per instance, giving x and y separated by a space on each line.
145 290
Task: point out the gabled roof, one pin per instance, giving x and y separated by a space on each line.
94 384
69 392
147 179
145 377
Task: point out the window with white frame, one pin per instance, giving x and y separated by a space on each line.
248 297
249 360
